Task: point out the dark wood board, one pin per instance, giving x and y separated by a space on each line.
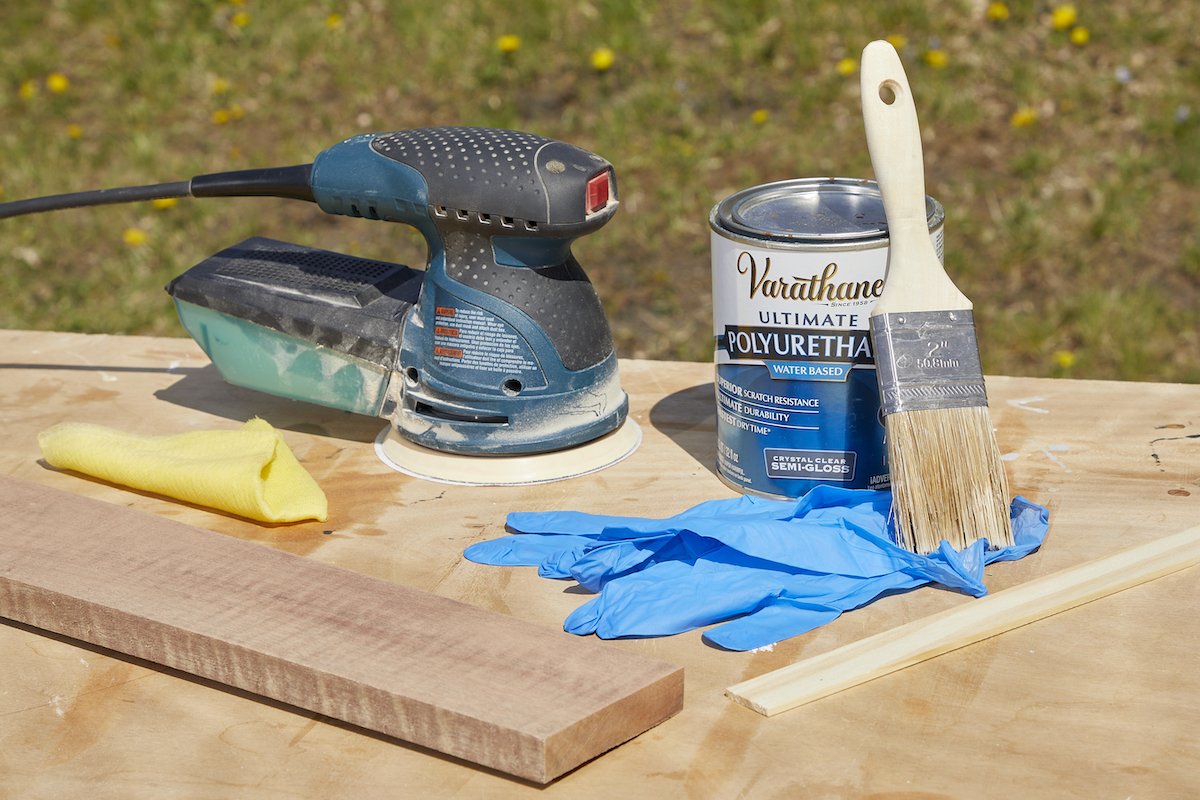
446 675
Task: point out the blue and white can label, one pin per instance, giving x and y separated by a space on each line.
797 268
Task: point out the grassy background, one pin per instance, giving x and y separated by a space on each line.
1067 157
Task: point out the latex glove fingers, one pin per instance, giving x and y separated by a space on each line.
524 550
770 624
600 565
611 528
666 599
793 613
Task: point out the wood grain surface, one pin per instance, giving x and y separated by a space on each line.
451 676
1101 702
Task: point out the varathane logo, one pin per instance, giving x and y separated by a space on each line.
817 288
798 344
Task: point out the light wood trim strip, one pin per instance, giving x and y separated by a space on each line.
971 622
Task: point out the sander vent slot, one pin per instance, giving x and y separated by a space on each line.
426 410
370 213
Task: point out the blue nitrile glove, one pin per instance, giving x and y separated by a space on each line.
773 568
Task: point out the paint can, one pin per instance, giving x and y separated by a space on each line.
797 267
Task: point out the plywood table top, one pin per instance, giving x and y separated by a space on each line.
1101 701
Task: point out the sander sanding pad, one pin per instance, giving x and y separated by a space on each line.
462 470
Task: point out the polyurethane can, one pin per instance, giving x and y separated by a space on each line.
797 267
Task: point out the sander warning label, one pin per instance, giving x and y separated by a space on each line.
470 338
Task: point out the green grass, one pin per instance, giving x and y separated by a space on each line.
1076 235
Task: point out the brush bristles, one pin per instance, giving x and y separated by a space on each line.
947 479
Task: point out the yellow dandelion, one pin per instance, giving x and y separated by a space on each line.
898 41
936 58
57 82
219 86
27 90
760 116
1080 35
163 203
1023 117
508 43
241 19
113 41
1064 359
74 131
236 111
333 22
997 12
221 116
1064 17
134 237
602 59
847 66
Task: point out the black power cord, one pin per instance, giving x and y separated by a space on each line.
290 182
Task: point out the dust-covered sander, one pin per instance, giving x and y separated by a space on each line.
499 349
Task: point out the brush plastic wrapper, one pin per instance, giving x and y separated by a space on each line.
760 570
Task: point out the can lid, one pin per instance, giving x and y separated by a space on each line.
809 210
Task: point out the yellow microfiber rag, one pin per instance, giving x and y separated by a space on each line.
250 471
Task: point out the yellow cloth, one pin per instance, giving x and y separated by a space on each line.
250 472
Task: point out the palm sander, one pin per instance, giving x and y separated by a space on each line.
499 348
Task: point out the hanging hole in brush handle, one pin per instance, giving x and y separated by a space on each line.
888 92
893 136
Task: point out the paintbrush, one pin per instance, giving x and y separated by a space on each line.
948 482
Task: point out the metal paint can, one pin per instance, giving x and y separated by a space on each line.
797 268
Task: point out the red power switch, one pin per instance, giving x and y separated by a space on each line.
597 192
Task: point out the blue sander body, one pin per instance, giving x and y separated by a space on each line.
499 346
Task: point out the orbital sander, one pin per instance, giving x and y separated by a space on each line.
494 365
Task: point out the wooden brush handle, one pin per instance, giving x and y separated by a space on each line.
916 280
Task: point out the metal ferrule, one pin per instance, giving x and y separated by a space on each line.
927 360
